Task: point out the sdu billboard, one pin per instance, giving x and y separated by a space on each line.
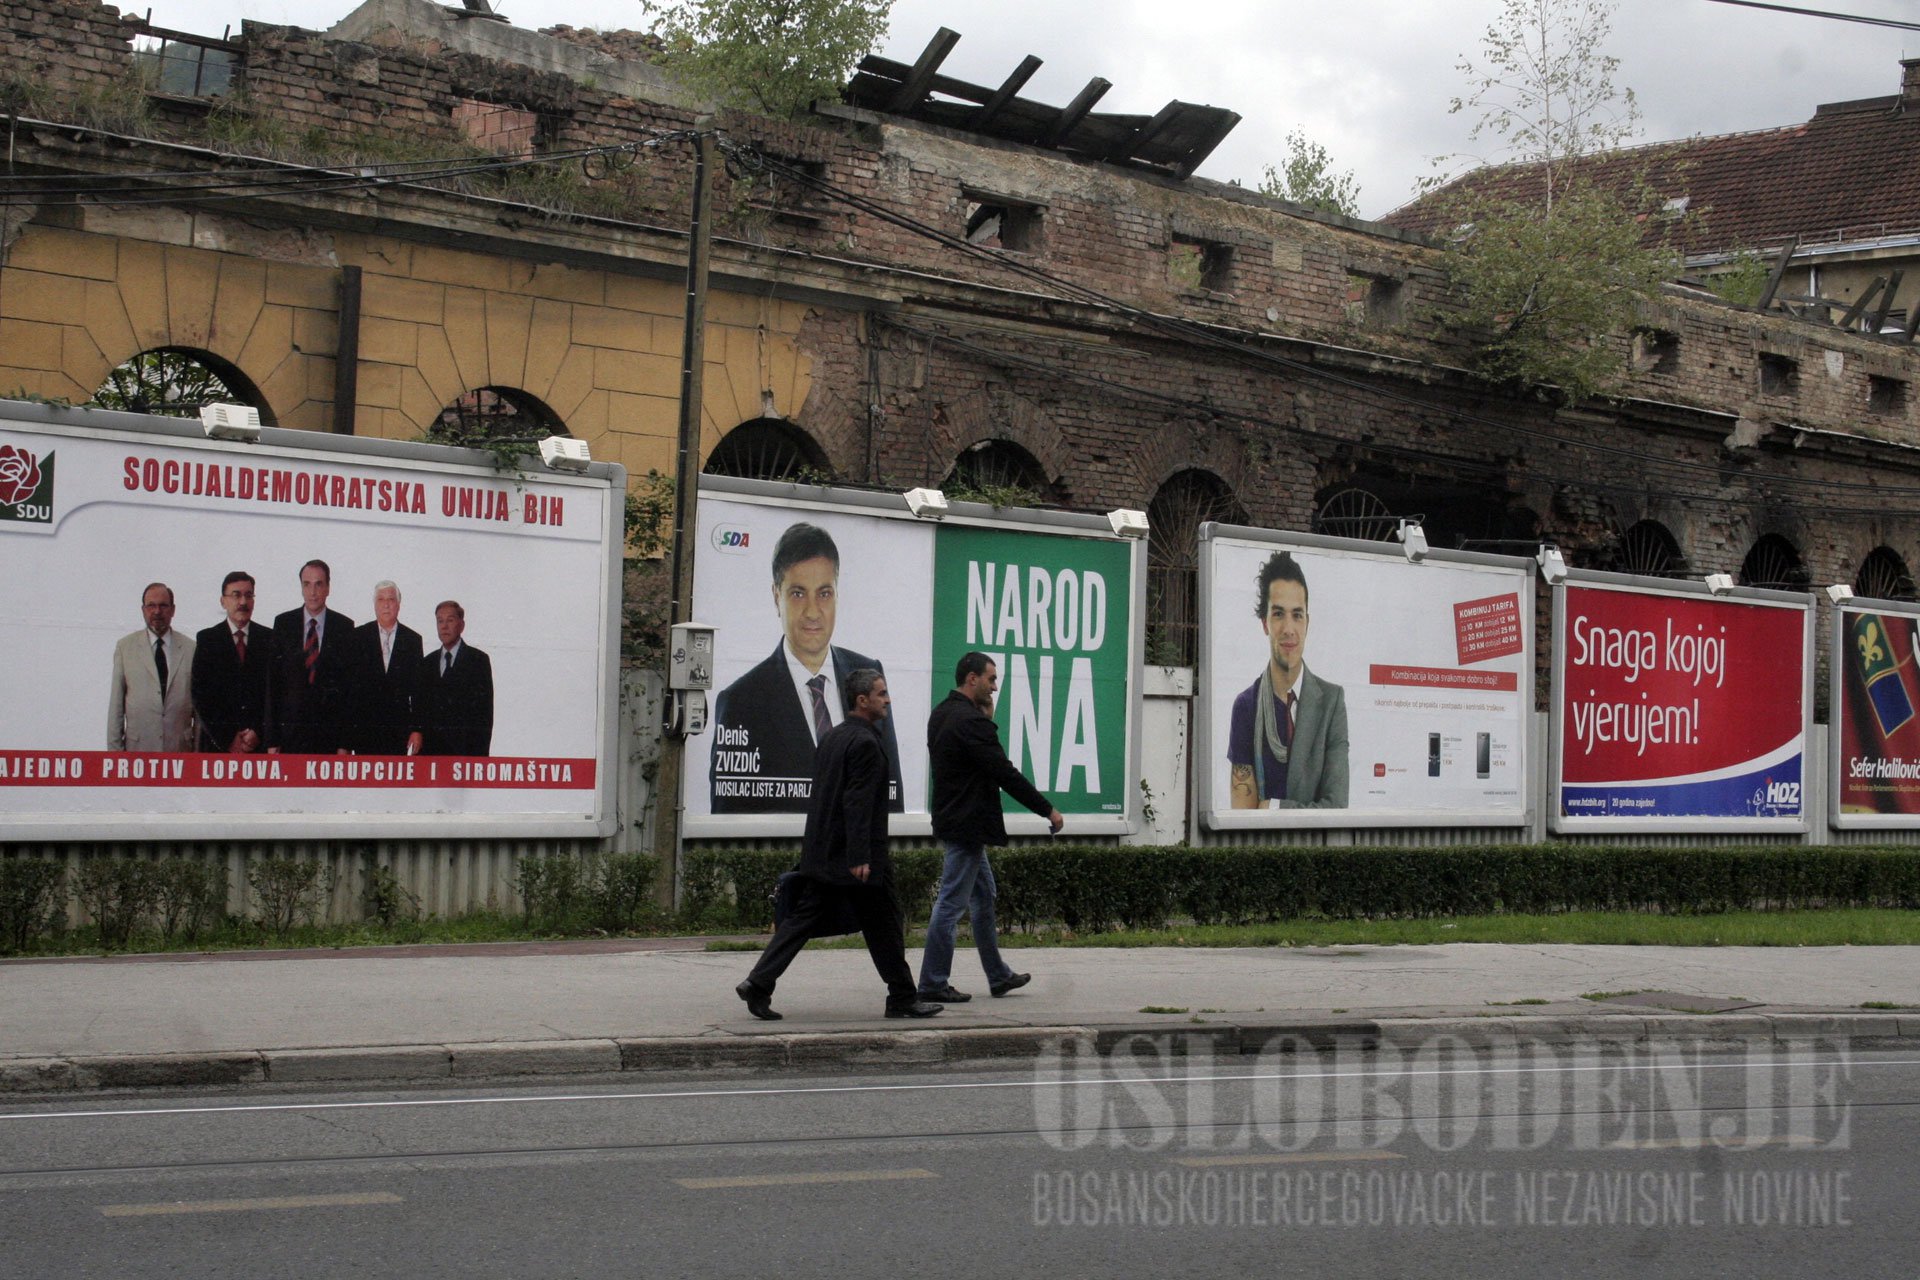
303 636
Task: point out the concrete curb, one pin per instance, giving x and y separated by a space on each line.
722 1050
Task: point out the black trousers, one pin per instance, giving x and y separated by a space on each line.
882 924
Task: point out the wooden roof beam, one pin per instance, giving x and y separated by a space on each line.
1146 133
1005 93
1077 110
1198 156
920 78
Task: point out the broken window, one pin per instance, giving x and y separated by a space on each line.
1200 264
184 65
1779 375
1655 351
995 222
1886 397
1373 301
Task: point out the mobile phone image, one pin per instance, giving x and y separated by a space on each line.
1433 755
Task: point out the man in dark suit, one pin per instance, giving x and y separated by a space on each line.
233 674
385 660
1287 736
453 702
313 690
767 723
843 857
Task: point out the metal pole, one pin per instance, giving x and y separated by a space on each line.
686 473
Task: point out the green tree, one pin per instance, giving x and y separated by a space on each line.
1549 253
772 56
1307 177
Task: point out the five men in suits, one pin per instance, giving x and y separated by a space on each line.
312 706
150 704
233 674
768 722
385 671
1287 738
453 702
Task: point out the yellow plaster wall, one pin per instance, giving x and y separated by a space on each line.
602 350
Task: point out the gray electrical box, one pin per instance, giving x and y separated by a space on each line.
690 656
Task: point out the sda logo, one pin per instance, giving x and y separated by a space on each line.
26 486
731 541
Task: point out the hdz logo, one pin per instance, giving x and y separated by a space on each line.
26 486
731 541
1777 797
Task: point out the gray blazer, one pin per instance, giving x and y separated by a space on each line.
1317 767
138 719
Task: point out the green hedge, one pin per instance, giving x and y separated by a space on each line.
1090 889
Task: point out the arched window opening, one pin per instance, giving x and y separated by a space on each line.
1354 512
768 449
1000 472
1186 501
1883 576
1647 548
1773 563
495 414
177 382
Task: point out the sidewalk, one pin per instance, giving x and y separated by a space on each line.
519 1009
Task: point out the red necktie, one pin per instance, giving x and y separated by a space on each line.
312 648
240 646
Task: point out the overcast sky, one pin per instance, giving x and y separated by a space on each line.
1369 80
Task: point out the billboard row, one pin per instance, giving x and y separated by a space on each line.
803 590
1344 686
1675 709
426 646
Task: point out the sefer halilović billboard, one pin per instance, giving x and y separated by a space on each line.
1344 686
1876 712
428 646
803 591
1677 709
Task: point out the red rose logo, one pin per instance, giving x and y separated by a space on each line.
19 475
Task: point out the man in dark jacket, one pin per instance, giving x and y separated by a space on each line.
844 858
969 772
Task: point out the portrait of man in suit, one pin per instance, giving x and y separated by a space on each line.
233 674
1287 738
384 657
313 687
453 701
150 702
767 723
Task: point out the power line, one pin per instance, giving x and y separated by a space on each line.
1895 23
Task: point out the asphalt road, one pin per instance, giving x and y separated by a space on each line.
1658 1163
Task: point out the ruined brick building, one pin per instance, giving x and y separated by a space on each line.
426 216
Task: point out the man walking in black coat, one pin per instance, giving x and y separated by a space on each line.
969 772
844 857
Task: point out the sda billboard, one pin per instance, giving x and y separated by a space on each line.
1675 709
303 636
806 585
1346 686
1875 682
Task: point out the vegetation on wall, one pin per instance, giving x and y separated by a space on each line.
772 56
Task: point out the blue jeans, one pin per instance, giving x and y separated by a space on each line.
966 885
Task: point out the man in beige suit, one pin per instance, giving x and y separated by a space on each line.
150 707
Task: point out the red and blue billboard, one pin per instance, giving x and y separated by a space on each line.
1681 708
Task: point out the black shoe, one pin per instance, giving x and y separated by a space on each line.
759 1003
914 1010
948 994
1013 983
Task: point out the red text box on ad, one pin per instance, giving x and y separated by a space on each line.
1487 628
35 768
1444 678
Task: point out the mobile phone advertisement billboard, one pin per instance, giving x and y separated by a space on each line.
1678 710
510 734
1875 682
1345 686
803 590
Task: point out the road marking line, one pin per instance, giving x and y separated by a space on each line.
1099 1082
239 1206
804 1179
1295 1157
1714 1144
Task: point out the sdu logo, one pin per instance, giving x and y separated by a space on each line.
732 540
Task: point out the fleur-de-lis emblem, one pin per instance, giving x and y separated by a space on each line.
1873 650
